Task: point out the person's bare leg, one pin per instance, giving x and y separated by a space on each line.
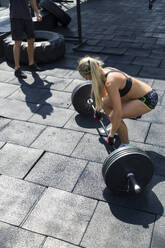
16 53
123 133
131 109
30 51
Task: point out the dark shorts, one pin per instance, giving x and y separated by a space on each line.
150 99
22 29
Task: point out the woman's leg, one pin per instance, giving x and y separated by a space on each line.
123 133
134 108
130 109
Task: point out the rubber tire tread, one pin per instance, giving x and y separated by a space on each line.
47 51
61 15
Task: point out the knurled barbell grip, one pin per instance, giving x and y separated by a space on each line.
132 179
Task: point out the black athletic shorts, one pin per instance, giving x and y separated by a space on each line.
22 29
150 99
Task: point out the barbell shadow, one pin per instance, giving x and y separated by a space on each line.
89 122
124 206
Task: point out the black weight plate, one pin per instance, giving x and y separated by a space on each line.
113 155
80 95
123 161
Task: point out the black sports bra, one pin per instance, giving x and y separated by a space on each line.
128 85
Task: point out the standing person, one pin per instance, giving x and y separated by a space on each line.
118 94
21 25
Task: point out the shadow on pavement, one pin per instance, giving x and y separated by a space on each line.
36 95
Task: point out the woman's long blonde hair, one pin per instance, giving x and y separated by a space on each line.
91 66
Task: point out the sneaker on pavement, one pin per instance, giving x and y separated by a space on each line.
34 67
20 74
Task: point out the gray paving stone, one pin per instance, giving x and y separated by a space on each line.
159 84
147 61
138 52
16 160
60 99
132 70
58 140
48 115
122 59
60 172
21 133
6 75
137 130
74 75
154 73
155 116
131 225
112 50
158 239
156 135
160 97
91 182
5 67
17 197
58 83
3 122
15 237
69 61
94 49
55 72
162 65
6 89
62 215
74 83
17 110
52 243
163 100
91 148
1 144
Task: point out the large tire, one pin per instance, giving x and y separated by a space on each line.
61 15
49 21
49 46
2 36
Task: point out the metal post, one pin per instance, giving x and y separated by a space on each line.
79 22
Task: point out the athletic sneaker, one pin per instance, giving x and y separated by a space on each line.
34 67
20 74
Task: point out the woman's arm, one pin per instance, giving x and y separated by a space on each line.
115 116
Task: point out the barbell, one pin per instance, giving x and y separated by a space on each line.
127 169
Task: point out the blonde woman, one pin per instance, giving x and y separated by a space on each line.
118 94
